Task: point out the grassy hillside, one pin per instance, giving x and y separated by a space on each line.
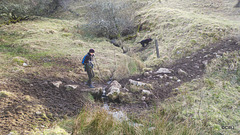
36 52
182 28
213 100
52 47
44 37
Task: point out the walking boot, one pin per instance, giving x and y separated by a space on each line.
91 86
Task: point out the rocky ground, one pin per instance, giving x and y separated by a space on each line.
46 99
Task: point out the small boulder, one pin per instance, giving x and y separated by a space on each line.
125 97
205 62
143 98
163 71
56 83
71 87
25 64
146 74
146 92
196 66
151 129
137 83
115 84
113 94
38 113
160 76
97 93
114 90
181 72
125 89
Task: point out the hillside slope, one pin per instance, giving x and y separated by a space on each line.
182 27
35 54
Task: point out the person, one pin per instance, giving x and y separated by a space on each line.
88 65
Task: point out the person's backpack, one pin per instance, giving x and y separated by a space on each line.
83 59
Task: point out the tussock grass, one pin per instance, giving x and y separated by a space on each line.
94 120
212 101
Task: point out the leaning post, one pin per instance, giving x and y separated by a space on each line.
157 50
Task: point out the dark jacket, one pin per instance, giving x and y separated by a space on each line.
88 58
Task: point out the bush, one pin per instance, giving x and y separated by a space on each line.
21 8
110 18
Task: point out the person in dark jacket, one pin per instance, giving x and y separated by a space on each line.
88 65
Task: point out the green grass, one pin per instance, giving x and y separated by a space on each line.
179 32
45 37
5 94
202 106
98 121
212 101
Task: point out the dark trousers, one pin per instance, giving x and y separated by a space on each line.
90 74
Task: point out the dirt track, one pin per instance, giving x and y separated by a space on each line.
193 65
20 113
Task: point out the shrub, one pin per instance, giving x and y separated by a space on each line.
110 18
21 8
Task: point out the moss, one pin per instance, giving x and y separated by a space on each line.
113 96
90 98
18 61
5 94
130 37
134 88
147 69
148 86
193 42
28 98
125 97
49 115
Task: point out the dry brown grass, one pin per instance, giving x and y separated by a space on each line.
95 120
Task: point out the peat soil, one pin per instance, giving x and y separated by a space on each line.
36 102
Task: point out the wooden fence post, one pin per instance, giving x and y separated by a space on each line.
157 50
